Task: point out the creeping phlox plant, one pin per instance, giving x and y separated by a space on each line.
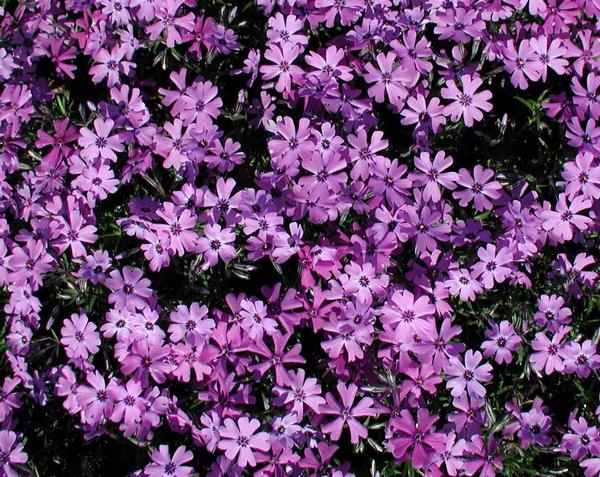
299 237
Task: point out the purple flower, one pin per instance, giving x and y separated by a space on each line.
560 223
548 353
11 453
129 289
299 392
416 442
582 440
501 342
346 413
165 465
99 142
493 265
468 375
168 21
79 336
551 313
240 440
479 188
282 57
467 103
432 176
215 244
461 283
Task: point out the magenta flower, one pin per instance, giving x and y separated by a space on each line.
179 225
79 336
482 456
501 342
479 188
523 64
582 176
165 465
9 400
432 176
240 440
11 453
582 440
561 223
462 284
363 281
129 289
201 103
215 244
388 78
467 103
425 115
255 320
548 353
110 65
94 398
346 413
551 313
191 324
99 143
299 392
129 405
468 375
416 442
493 265
581 358
168 21
283 57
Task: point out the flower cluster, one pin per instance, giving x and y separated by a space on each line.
302 237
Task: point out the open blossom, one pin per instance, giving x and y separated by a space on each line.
346 413
12 452
467 103
283 67
433 176
129 289
479 188
522 63
415 440
492 267
501 342
79 336
215 244
389 79
100 142
468 375
240 440
165 464
547 354
309 237
461 283
561 223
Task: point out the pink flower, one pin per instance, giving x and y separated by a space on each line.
215 244
164 465
547 356
79 336
240 440
100 143
416 442
433 176
467 103
468 375
129 289
283 57
346 413
561 223
11 453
